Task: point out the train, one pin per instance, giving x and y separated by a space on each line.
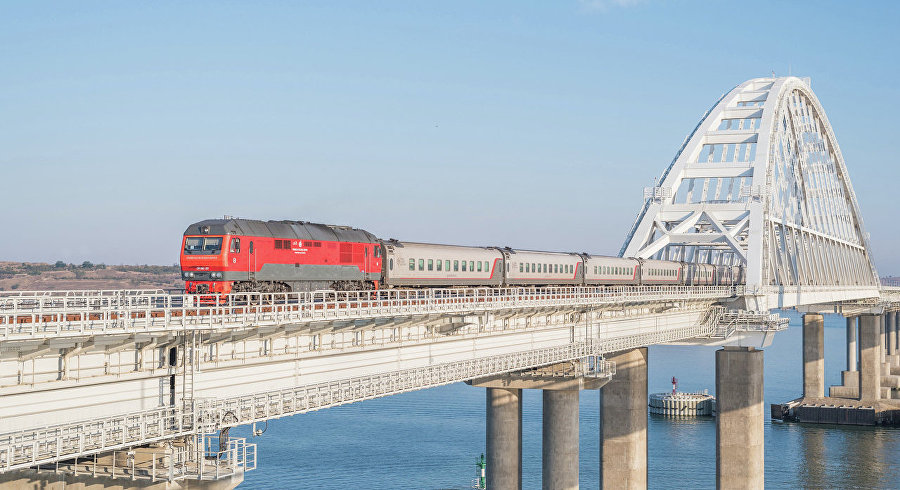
234 255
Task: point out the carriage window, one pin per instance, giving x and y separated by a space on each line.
235 245
391 264
521 267
527 267
487 266
412 264
439 262
472 265
456 265
463 265
421 264
479 266
431 264
447 265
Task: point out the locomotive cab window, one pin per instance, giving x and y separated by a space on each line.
235 245
198 245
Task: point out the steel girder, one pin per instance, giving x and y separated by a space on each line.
760 182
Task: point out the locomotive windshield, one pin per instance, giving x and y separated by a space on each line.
200 245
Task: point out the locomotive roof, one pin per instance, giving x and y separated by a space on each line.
280 229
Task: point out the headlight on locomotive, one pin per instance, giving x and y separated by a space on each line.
216 275
188 275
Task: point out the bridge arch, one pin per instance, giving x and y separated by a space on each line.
760 182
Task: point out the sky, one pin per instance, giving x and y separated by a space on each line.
525 124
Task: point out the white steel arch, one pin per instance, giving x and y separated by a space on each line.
760 182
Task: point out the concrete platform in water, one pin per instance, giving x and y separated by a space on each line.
841 411
682 404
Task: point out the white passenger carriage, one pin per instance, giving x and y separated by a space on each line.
611 270
700 274
664 272
424 264
529 268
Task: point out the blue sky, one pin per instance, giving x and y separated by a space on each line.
528 124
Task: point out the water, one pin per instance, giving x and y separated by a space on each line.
430 439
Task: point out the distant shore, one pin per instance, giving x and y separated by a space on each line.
41 276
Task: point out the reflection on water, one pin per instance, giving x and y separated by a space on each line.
431 439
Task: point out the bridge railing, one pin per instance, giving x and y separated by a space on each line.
78 315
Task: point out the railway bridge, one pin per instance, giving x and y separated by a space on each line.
138 389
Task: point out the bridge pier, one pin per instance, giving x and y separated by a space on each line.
623 423
891 327
504 438
813 356
559 448
739 423
852 347
897 329
870 352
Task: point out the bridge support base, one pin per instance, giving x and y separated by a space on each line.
813 356
504 438
560 440
739 422
623 423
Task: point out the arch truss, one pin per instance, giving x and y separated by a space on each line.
760 182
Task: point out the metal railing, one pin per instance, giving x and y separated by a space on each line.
31 317
209 461
588 367
725 323
64 441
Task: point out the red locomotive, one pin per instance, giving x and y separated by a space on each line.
238 255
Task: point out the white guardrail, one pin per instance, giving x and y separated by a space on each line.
53 316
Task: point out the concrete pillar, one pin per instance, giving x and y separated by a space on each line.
813 356
892 333
504 438
740 460
623 423
870 357
560 440
851 343
881 323
897 328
